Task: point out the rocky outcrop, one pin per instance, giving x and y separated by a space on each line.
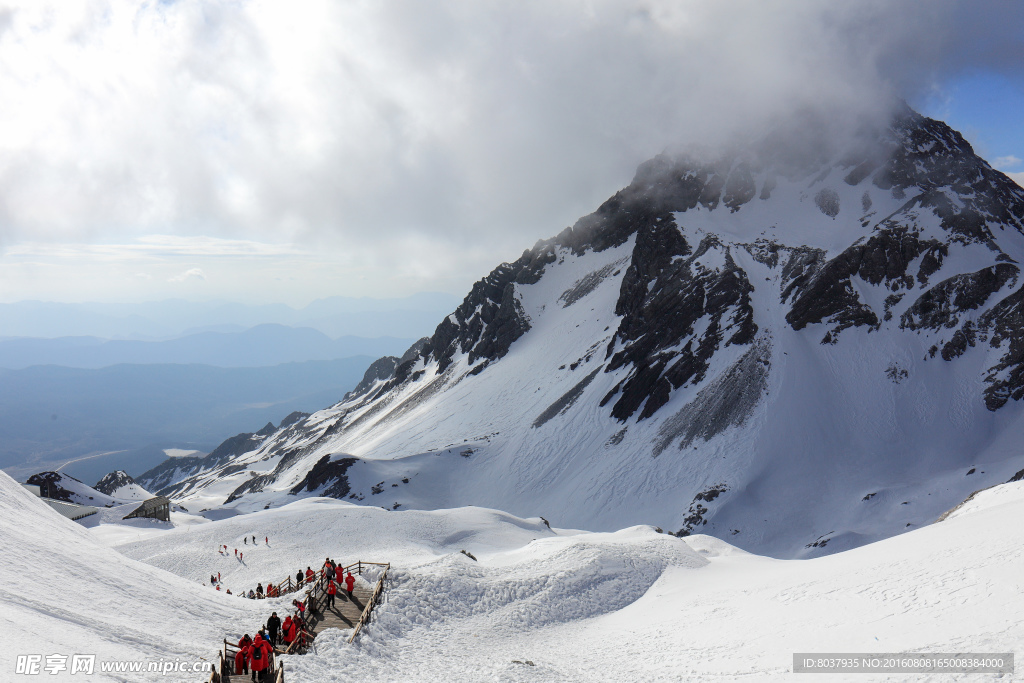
113 481
661 300
49 484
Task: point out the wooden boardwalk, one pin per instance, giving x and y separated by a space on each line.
346 611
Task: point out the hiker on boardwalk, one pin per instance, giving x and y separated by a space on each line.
298 579
273 626
350 583
329 569
259 591
259 658
288 631
252 594
331 590
242 660
300 612
310 574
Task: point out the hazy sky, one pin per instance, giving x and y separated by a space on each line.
271 151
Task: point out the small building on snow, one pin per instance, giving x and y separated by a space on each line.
154 508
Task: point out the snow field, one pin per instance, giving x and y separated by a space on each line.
630 605
63 592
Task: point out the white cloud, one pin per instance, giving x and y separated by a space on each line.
154 246
1006 162
189 275
478 126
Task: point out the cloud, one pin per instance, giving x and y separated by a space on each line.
1006 162
154 247
458 122
189 275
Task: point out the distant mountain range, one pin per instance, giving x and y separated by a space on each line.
408 317
260 346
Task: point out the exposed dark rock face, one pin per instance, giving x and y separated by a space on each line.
828 294
329 474
942 305
49 484
670 295
491 317
695 516
380 370
293 418
113 481
1005 323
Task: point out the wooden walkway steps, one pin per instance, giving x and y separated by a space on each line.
346 611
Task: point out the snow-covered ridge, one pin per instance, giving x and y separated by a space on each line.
797 357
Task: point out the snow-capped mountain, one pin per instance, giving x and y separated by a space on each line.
800 351
120 486
114 489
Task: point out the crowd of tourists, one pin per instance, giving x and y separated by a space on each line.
256 654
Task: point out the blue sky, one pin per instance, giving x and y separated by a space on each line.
988 109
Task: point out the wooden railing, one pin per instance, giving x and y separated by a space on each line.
364 618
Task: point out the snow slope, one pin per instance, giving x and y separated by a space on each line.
63 592
628 605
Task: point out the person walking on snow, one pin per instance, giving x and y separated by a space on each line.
236 552
267 540
245 540
218 577
240 556
254 540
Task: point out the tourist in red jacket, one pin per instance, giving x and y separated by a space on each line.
259 657
242 660
288 631
350 583
332 588
310 574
